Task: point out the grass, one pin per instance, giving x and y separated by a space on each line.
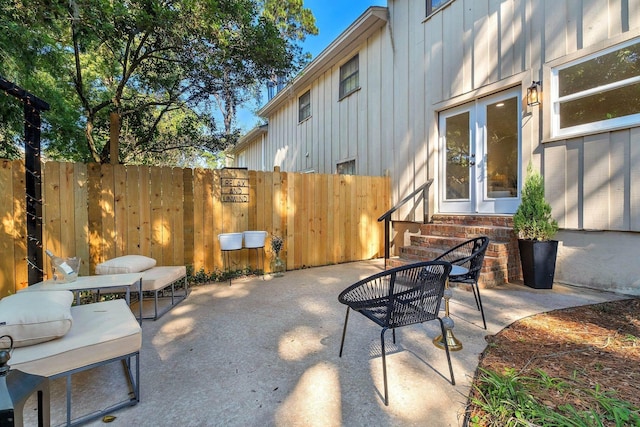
510 399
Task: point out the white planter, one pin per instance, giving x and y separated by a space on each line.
230 241
254 239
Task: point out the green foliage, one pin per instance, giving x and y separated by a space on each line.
509 400
201 277
161 65
532 220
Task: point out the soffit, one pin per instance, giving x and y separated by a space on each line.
358 32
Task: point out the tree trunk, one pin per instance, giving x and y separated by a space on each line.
88 130
114 138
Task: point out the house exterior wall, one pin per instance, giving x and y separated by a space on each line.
415 67
337 130
253 155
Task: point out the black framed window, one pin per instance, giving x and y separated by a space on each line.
433 5
349 77
346 168
304 106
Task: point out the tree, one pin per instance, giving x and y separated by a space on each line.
154 63
237 81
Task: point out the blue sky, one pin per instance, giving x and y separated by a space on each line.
332 18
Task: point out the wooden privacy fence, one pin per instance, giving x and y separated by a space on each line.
97 212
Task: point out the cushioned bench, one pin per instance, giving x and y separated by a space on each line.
101 333
155 280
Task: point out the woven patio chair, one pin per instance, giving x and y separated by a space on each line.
399 297
469 255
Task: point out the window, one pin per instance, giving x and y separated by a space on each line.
347 168
433 5
598 92
349 80
304 106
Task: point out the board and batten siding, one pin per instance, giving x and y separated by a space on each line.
413 68
593 182
338 130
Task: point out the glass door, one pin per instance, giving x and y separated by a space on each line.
458 160
480 146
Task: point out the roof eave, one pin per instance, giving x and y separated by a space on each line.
246 139
374 18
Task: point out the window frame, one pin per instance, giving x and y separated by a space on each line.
342 93
596 126
431 9
347 162
304 108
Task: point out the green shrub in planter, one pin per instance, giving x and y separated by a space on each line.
535 228
532 220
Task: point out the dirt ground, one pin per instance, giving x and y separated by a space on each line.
584 346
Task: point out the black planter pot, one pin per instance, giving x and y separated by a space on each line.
538 262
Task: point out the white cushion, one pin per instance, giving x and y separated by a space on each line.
35 317
101 331
161 277
125 264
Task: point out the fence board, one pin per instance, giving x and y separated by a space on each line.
307 223
94 214
133 201
67 210
19 222
7 267
323 214
188 211
145 210
107 205
216 218
279 207
177 206
279 188
98 211
199 216
167 215
81 216
51 212
299 221
120 209
289 244
345 226
211 247
337 224
255 220
156 214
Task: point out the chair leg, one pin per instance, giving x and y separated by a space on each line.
344 330
476 288
446 348
384 367
475 295
394 335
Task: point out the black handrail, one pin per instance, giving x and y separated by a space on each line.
387 215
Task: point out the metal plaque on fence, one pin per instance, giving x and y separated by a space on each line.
234 186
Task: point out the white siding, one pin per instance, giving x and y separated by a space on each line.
413 67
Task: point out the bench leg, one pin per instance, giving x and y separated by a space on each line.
134 387
175 299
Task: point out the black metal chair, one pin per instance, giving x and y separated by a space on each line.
398 297
469 255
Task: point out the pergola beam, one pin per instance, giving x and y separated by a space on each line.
33 175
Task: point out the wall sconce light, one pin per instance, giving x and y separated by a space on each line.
533 96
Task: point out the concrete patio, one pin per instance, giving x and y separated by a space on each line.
264 352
